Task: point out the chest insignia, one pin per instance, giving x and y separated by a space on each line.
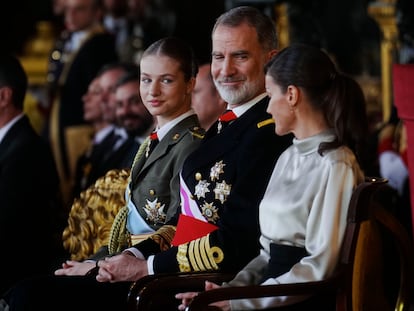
210 212
221 191
201 189
155 211
216 170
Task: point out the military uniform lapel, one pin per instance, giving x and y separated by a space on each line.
216 145
172 137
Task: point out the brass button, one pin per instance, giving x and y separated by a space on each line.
152 192
176 136
56 55
198 176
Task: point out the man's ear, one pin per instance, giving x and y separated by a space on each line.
272 53
190 85
5 94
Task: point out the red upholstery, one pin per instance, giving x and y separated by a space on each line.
403 84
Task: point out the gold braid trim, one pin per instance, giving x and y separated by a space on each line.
206 245
197 255
182 259
192 259
203 257
141 150
164 236
119 237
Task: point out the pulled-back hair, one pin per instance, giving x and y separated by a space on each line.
265 27
338 96
178 50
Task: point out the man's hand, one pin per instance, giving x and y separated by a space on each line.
71 267
121 268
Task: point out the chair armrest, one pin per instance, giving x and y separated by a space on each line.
157 292
203 299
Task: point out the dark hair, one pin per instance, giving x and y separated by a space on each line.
177 49
128 77
265 27
13 75
128 67
338 96
98 4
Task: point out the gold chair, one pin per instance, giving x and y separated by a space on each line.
351 282
92 214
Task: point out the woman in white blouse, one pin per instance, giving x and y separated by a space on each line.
303 212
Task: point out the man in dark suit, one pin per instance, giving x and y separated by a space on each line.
30 214
84 48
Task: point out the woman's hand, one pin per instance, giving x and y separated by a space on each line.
187 297
71 267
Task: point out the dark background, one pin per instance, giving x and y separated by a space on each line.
342 27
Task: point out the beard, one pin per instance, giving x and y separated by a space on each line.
136 125
235 95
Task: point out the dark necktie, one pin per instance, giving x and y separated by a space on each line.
152 143
105 146
225 119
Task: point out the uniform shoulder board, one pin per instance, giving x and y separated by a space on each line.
265 122
197 131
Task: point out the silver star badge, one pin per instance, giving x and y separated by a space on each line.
216 170
201 189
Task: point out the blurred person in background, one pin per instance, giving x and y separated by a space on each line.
206 100
83 48
31 217
115 144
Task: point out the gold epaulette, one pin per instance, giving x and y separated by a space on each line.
197 131
265 122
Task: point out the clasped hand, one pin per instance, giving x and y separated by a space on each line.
121 268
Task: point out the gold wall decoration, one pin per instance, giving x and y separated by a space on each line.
383 12
36 52
282 24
